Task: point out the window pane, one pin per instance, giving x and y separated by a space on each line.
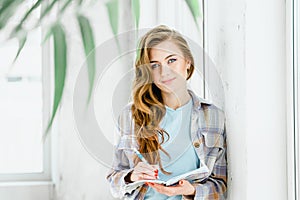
21 147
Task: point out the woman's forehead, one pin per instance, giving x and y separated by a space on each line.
163 49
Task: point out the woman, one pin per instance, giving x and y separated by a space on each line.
169 125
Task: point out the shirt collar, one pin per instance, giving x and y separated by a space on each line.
197 101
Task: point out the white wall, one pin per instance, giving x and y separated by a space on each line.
226 47
77 174
246 40
266 99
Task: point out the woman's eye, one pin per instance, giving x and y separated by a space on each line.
171 60
155 65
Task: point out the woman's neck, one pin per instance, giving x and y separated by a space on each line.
176 99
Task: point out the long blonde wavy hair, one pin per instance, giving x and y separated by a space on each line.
148 106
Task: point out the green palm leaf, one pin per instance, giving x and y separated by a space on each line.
195 9
60 68
47 9
113 14
63 8
89 49
47 36
136 12
79 2
19 32
22 40
7 10
36 5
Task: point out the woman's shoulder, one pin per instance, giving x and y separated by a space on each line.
127 108
212 108
206 104
125 118
214 115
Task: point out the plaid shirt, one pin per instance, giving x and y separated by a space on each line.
209 140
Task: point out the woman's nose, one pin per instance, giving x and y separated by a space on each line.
164 70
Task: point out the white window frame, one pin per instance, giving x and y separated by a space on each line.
296 46
47 75
293 86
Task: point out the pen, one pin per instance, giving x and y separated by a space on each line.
140 155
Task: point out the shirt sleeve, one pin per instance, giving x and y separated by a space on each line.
117 174
121 165
215 186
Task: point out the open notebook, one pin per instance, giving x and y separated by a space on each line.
197 174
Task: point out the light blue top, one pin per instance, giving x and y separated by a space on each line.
179 146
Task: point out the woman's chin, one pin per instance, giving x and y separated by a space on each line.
167 89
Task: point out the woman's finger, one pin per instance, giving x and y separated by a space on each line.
146 168
143 173
142 176
146 171
146 176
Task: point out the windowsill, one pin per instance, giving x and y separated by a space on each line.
27 190
25 183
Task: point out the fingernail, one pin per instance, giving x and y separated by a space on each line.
146 184
180 182
156 171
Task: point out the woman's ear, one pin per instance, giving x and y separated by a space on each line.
188 69
188 64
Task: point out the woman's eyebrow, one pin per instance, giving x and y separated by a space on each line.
152 61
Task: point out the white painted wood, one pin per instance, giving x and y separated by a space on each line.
296 76
265 65
291 134
26 191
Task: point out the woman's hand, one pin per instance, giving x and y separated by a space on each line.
183 188
144 171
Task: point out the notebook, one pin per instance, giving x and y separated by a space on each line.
197 174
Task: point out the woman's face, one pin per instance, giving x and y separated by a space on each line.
169 67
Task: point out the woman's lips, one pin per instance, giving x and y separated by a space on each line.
168 81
